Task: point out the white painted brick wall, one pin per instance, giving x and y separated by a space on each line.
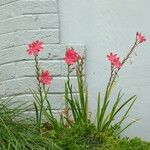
22 21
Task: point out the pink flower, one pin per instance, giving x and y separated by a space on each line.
45 77
115 61
35 47
111 57
140 38
71 56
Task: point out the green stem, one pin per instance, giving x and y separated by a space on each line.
72 104
83 100
39 89
46 98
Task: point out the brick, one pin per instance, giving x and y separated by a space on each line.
6 11
31 113
32 22
36 7
27 68
56 100
22 85
29 7
48 21
4 2
25 37
19 23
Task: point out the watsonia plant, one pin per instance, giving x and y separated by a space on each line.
77 104
104 119
43 78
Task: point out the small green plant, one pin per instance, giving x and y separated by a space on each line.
20 134
113 143
79 137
